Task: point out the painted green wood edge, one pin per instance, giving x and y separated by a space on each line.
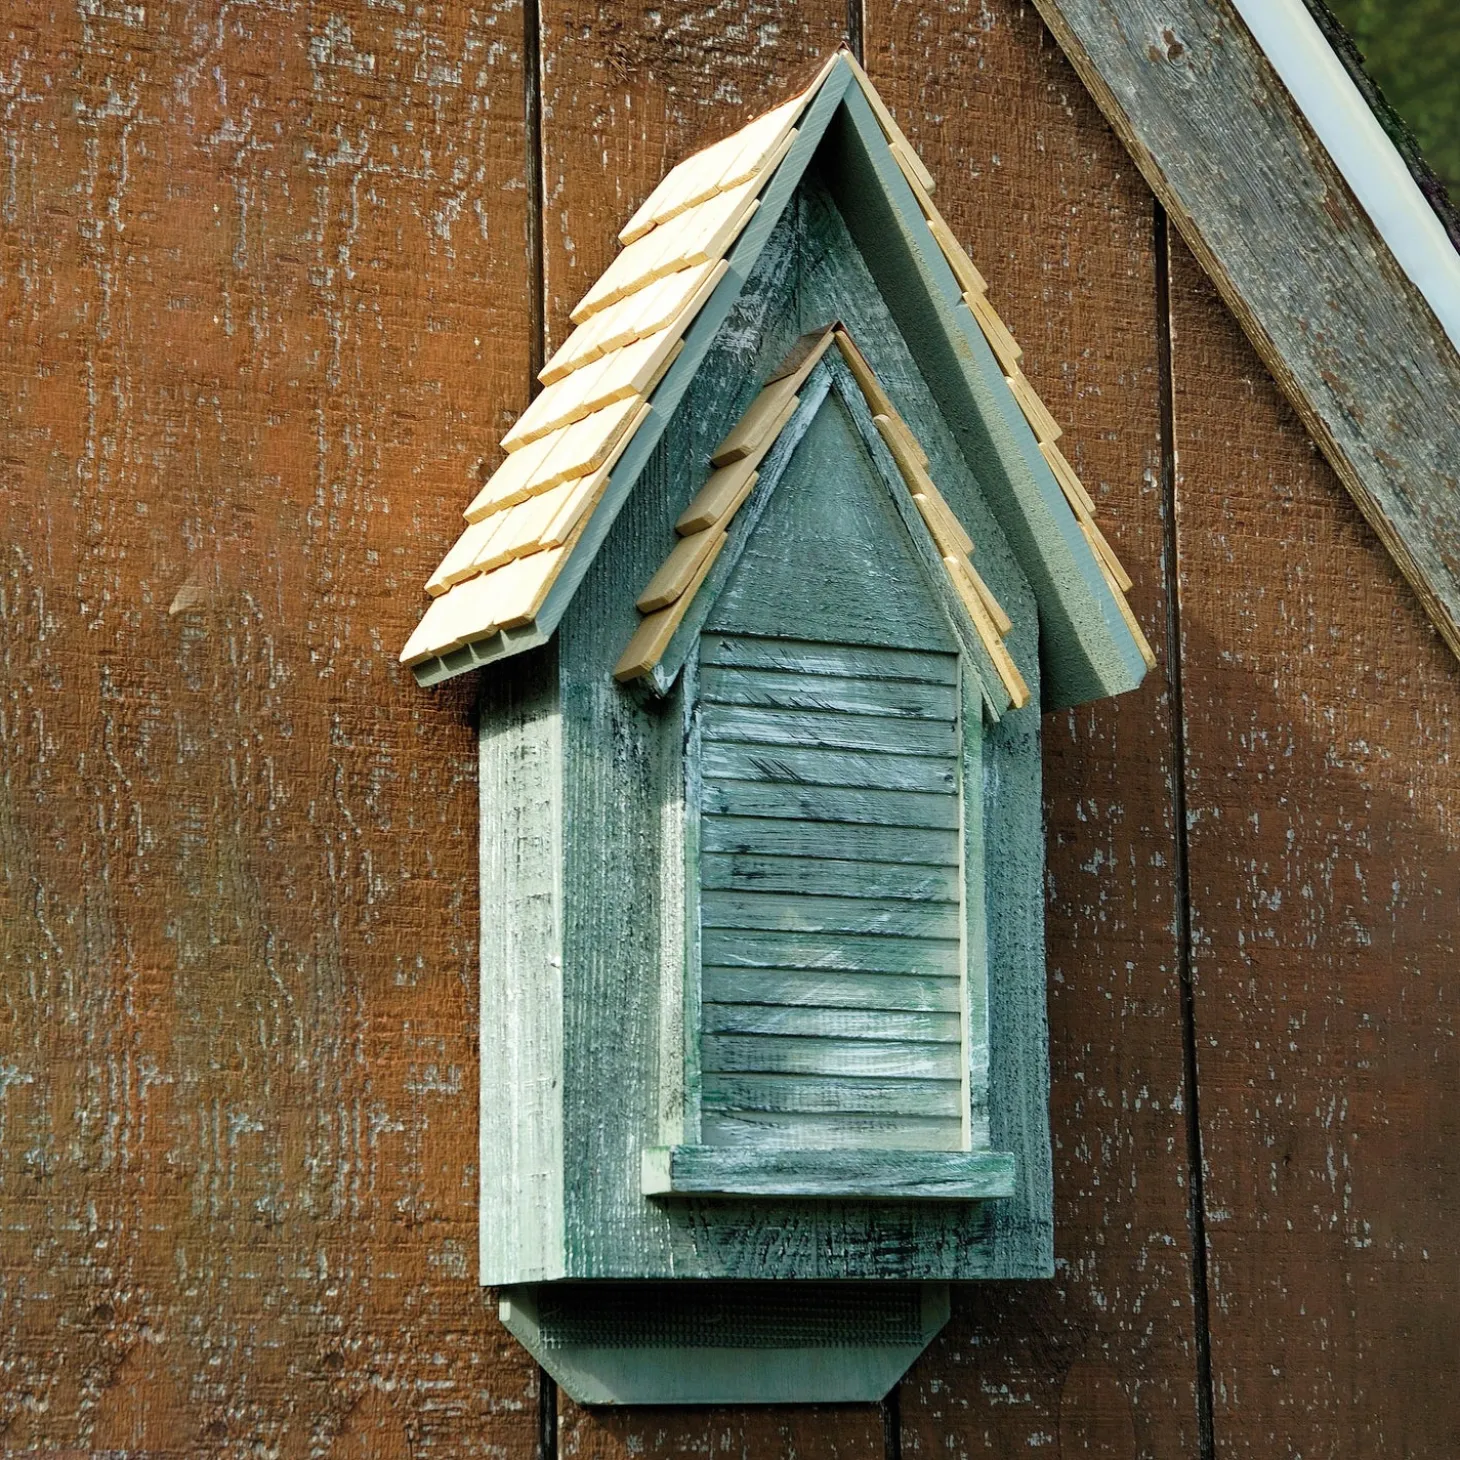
995 696
641 1367
670 391
863 1175
1087 650
742 529
831 373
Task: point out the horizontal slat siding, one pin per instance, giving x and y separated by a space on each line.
791 1094
785 986
775 912
827 877
829 841
905 1130
755 725
802 657
853 952
827 694
832 804
817 766
820 1055
830 902
808 1021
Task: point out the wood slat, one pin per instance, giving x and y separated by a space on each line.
1065 475
968 591
812 951
1044 425
814 1174
826 913
719 498
570 451
815 766
460 562
867 662
846 732
1003 624
760 424
910 1130
1006 348
784 689
846 842
681 567
808 1021
832 804
857 1095
646 648
673 300
788 987
698 235
773 1054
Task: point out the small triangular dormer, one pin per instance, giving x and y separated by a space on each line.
769 590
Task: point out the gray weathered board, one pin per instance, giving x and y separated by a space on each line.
585 1057
1262 205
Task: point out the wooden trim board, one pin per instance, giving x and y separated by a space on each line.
1347 337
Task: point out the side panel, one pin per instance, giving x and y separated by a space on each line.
521 751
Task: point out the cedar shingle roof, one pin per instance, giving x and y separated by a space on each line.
526 520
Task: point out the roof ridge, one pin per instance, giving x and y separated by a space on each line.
630 326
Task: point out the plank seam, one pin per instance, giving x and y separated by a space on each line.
1196 1207
536 165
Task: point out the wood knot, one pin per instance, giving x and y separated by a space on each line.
1171 47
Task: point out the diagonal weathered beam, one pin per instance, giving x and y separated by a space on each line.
1258 200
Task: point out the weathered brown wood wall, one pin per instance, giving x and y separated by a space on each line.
267 278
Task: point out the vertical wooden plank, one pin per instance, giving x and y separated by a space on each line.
1323 734
626 94
262 273
1053 213
821 1432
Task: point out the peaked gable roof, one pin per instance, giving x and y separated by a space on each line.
643 328
704 525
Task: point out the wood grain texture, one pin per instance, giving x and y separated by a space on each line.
1056 218
635 93
1348 338
263 277
1323 733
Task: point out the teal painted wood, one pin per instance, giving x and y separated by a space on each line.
624 933
877 1175
855 953
799 689
823 766
726 1343
829 876
811 839
1089 653
521 1133
859 910
813 1022
831 562
839 990
800 657
835 1096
